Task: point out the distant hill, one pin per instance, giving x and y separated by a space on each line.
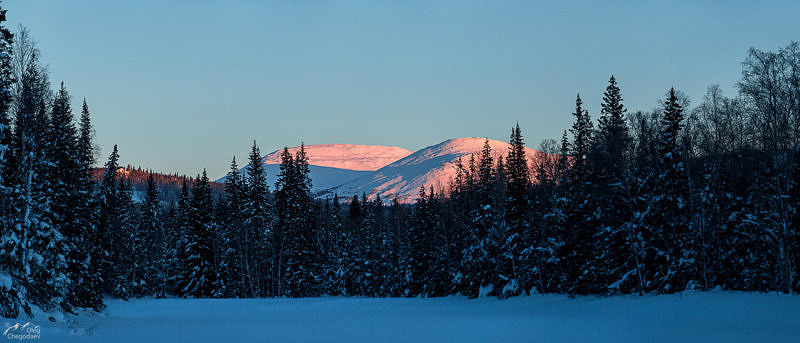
433 166
392 172
169 185
334 164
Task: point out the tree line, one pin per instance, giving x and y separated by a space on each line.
659 201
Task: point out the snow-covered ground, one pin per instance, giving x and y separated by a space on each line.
690 317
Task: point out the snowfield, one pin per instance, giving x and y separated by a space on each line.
690 317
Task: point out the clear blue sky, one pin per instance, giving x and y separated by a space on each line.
183 85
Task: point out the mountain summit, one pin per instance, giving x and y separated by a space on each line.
433 166
391 172
345 156
334 164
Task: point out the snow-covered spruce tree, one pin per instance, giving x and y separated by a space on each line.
452 236
335 266
260 247
109 220
615 258
126 275
351 254
513 265
353 243
180 220
386 253
223 241
11 291
283 218
582 132
397 220
480 257
293 203
70 187
426 262
366 276
87 284
354 210
552 206
459 199
442 281
233 240
672 257
198 277
579 209
420 245
150 233
35 253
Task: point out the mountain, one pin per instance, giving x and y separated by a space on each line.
334 164
431 166
345 156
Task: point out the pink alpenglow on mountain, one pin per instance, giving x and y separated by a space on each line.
334 164
433 166
346 156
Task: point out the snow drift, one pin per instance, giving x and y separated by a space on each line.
687 317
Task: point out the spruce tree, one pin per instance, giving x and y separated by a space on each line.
481 252
517 211
354 210
150 233
109 220
294 205
421 260
32 261
181 227
672 256
126 271
616 255
198 278
582 131
338 251
261 244
10 288
612 139
579 207
65 174
234 233
87 285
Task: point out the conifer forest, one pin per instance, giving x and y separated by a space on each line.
697 194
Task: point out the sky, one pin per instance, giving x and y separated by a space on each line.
186 85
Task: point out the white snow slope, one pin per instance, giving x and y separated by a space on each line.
431 166
334 164
688 317
345 156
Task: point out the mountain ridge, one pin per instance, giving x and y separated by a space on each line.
392 172
432 166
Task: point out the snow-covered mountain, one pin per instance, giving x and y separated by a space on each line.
334 164
431 166
392 172
345 156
